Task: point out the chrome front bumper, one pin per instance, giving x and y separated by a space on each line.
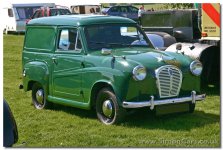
152 102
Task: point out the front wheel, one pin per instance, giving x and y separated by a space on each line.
107 108
38 96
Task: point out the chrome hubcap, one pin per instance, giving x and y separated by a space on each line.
107 108
40 96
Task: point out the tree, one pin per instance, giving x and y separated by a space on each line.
178 5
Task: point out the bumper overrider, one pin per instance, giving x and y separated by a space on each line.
152 102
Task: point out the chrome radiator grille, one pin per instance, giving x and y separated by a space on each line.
169 79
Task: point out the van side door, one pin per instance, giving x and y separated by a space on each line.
67 70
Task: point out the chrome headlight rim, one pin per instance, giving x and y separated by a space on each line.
196 67
139 73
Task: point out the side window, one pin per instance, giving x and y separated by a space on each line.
10 13
133 9
69 40
36 14
124 9
114 9
78 43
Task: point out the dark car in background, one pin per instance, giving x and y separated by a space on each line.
161 40
122 11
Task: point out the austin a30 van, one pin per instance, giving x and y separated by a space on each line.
102 63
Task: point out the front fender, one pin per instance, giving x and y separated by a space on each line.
35 72
101 77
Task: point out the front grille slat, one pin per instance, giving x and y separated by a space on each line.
169 81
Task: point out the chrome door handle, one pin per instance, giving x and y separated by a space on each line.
54 60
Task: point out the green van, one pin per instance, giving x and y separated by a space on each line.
105 63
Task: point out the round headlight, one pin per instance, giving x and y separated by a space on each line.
196 67
139 73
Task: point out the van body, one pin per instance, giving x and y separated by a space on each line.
101 62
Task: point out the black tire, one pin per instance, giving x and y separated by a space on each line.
105 115
39 102
191 107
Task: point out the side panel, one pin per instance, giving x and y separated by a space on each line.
37 55
66 76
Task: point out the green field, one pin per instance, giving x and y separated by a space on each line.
63 126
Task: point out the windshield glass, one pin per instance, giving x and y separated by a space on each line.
114 36
55 12
26 12
156 40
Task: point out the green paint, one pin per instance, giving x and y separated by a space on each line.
69 76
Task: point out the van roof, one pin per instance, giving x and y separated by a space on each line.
79 20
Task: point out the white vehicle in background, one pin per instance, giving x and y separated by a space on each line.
86 9
15 15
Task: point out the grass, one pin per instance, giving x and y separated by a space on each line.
71 127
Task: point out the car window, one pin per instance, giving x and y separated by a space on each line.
114 36
133 10
10 12
78 43
123 9
25 12
69 40
156 40
37 14
114 9
55 12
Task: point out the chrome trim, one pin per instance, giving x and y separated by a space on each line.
169 80
24 73
152 102
195 62
135 72
193 98
193 94
107 108
40 96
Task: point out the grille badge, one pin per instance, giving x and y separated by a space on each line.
170 72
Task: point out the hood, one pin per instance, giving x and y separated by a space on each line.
149 58
155 59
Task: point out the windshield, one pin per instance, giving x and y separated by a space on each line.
156 40
26 12
55 12
114 36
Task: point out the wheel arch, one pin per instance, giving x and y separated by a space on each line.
35 72
97 87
